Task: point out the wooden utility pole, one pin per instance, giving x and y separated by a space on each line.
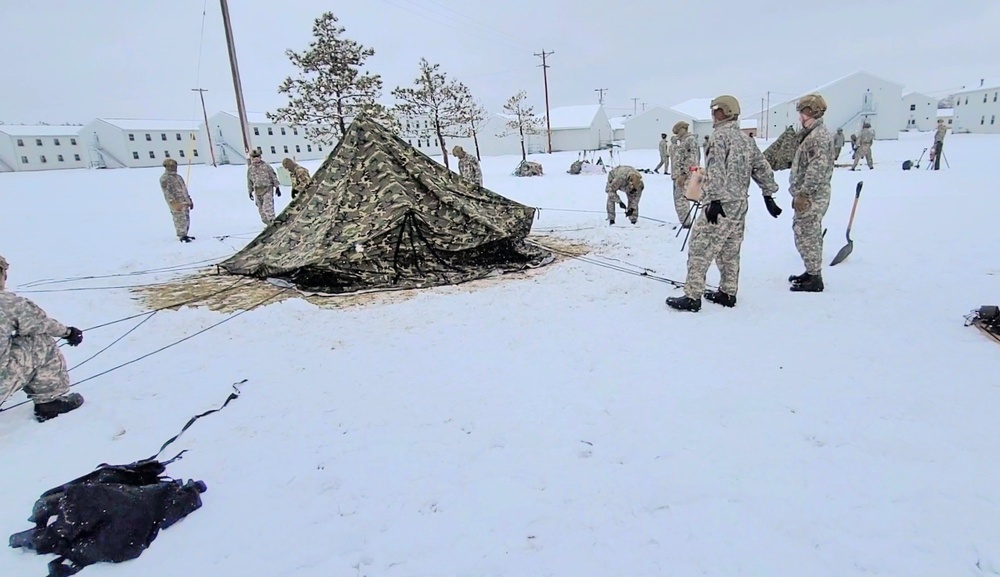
600 97
240 107
208 129
635 106
545 76
644 107
767 126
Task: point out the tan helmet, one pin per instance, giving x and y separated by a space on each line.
866 124
681 126
170 164
814 103
728 105
288 163
4 265
635 179
458 151
255 153
940 121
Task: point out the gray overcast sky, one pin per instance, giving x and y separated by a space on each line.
73 61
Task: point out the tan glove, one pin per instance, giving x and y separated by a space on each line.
800 203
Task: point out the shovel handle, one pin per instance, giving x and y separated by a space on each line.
854 209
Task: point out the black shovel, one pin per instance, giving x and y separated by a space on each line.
849 247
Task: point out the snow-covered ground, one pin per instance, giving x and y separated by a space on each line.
567 424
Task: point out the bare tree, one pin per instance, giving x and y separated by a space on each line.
443 102
330 89
521 120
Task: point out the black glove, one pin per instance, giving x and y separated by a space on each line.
277 191
74 337
251 195
772 207
714 211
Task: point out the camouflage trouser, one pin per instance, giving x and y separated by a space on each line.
716 242
808 228
632 205
864 150
264 197
182 221
836 152
681 204
35 365
665 163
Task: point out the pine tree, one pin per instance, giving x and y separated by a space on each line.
475 118
330 89
522 120
445 104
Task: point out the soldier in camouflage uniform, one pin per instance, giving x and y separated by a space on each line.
809 185
838 144
939 134
262 184
468 165
29 357
175 192
718 231
628 180
683 157
300 176
528 168
865 140
664 147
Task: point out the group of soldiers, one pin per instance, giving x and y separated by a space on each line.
732 160
262 185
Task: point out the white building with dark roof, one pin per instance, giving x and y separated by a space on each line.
977 108
142 143
275 141
576 128
41 147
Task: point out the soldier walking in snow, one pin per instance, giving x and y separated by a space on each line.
627 179
718 232
175 192
262 184
664 147
809 185
468 165
683 157
838 144
939 134
29 357
865 140
300 176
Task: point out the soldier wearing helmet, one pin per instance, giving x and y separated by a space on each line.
175 192
262 184
628 180
468 165
865 140
717 234
664 147
939 134
684 156
809 185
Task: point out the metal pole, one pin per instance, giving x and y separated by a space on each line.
241 108
208 129
767 127
635 106
600 97
545 76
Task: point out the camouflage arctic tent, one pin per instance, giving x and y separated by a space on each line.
379 214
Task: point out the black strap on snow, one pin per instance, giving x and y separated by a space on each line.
234 395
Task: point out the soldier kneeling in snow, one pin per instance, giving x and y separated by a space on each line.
29 357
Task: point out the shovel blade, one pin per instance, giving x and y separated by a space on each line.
843 254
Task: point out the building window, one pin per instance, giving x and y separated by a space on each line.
152 154
984 98
178 136
38 142
982 120
295 131
135 156
270 132
20 142
24 160
966 99
131 137
319 147
282 130
993 119
60 158
76 157
298 148
55 141
256 131
259 150
166 154
149 138
949 121
436 142
193 137
72 142
286 149
44 160
309 148
913 107
181 153
994 97
195 152
273 151
410 142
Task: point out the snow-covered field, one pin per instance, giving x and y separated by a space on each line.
568 424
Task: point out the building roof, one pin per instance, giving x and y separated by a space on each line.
915 93
39 130
253 117
945 112
983 84
573 117
152 124
618 122
696 108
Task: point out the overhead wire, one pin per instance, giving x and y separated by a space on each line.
197 83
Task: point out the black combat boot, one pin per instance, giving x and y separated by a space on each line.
809 284
721 298
611 222
797 278
187 238
684 303
56 407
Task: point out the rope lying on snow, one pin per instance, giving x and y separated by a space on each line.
539 209
590 260
174 268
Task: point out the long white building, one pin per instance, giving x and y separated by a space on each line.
142 143
977 109
42 147
275 141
